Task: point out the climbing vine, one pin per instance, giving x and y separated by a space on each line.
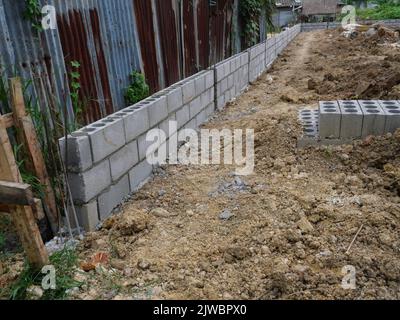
74 88
33 14
138 89
250 12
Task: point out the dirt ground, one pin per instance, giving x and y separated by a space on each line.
292 221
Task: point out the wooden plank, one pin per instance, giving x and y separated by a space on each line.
28 136
37 209
16 193
8 167
8 120
22 216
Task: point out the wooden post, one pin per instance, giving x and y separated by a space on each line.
16 193
22 216
27 135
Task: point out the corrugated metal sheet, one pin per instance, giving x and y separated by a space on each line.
168 15
100 34
166 39
220 28
203 33
189 38
144 18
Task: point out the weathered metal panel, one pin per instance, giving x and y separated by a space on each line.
100 34
220 30
189 38
169 38
166 39
203 33
144 20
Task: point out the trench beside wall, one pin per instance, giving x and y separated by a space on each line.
107 159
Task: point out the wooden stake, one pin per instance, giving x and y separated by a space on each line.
27 135
22 216
16 193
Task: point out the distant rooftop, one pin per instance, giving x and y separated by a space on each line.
313 7
287 3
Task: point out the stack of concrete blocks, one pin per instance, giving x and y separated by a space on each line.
256 61
231 78
107 159
392 114
309 120
374 118
306 27
345 120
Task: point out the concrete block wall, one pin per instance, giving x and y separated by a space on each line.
231 78
256 61
354 119
107 159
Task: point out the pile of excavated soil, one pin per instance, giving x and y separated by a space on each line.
360 68
200 232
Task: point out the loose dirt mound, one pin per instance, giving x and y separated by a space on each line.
360 68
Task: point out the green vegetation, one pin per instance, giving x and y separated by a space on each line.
2 240
250 12
386 9
64 263
138 89
33 14
75 86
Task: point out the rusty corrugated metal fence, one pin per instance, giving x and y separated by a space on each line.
168 40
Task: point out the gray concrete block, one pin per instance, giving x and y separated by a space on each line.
139 174
244 58
220 72
227 96
195 107
210 109
165 125
87 185
79 153
200 84
183 116
192 124
174 99
87 214
157 109
227 68
143 145
374 118
392 112
231 82
123 160
224 85
136 122
329 119
207 97
209 79
188 91
221 102
201 118
352 119
112 197
105 138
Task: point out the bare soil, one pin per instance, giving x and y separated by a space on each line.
293 220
